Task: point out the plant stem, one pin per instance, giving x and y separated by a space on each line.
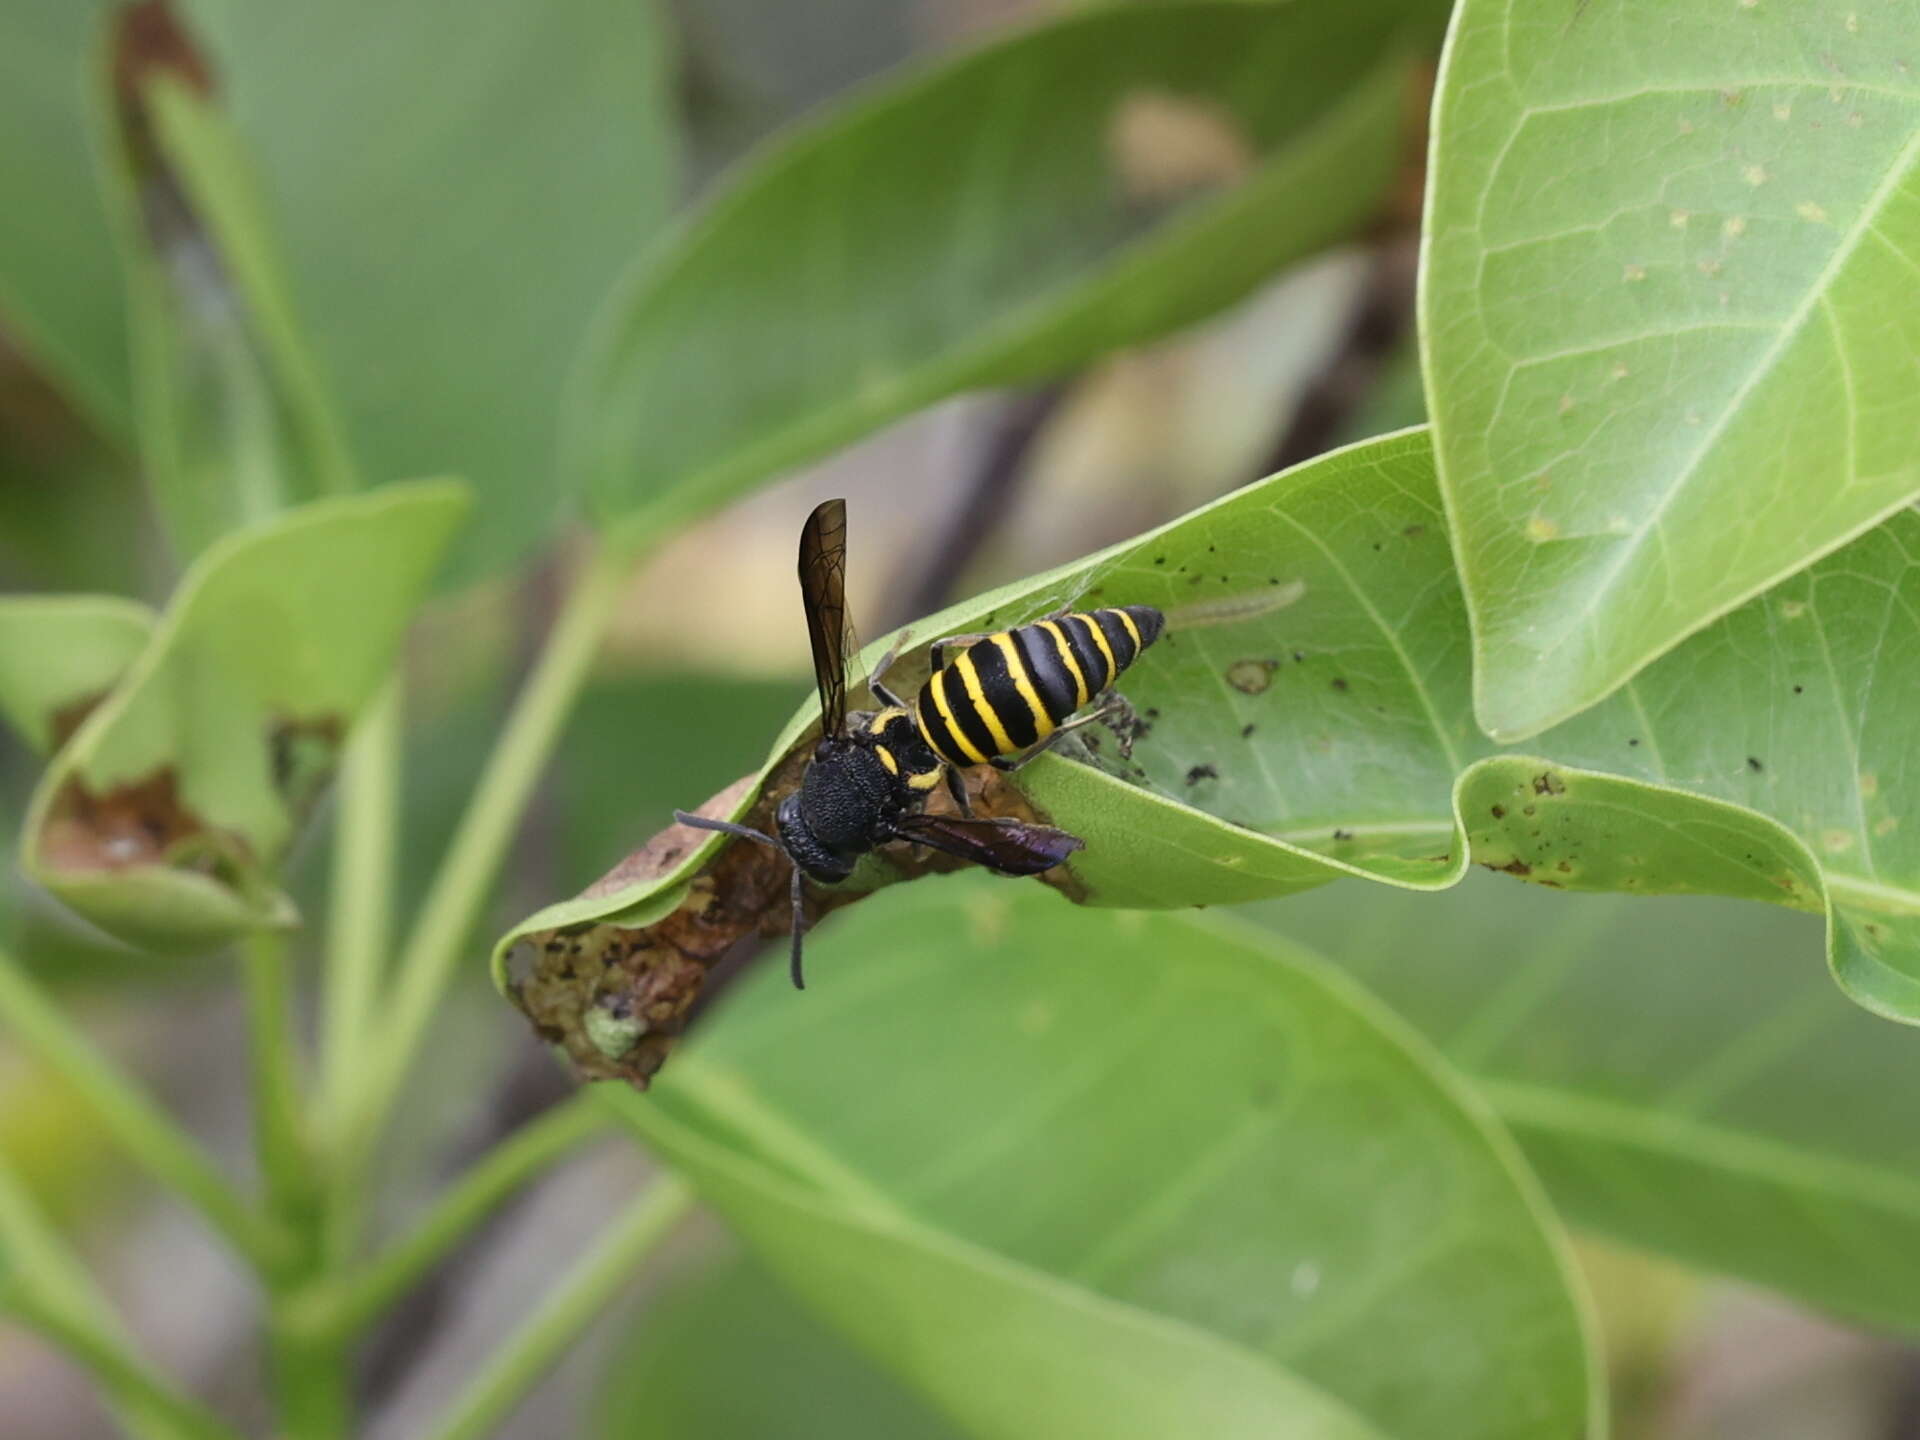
580 1296
466 875
135 1386
146 1131
356 1301
310 1381
286 1158
51 1291
360 922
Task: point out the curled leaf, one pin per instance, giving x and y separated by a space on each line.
165 817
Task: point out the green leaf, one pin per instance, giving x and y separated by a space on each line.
998 217
1310 717
164 818
1668 350
480 186
1155 1174
60 287
1678 1074
59 655
670 1379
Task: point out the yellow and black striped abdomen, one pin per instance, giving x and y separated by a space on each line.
1011 690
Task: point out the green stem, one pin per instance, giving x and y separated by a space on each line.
146 1131
354 1302
587 1289
137 1388
49 1283
466 876
311 1381
286 1158
360 924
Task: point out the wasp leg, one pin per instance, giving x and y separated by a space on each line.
957 788
938 650
1114 713
726 827
877 681
799 929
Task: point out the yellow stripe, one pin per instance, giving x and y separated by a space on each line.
886 759
883 718
1066 654
970 678
938 688
1100 639
1132 629
1023 682
925 780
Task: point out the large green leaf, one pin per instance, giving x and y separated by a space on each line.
164 818
998 217
1154 1174
59 655
673 1379
1676 1071
60 289
1669 345
451 193
235 423
1310 717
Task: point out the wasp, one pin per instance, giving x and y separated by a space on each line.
1002 700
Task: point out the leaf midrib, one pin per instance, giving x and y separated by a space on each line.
1721 1147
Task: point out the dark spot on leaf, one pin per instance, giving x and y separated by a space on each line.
1196 579
1339 684
1299 657
1799 689
1548 783
1526 810
1515 866
1246 730
1564 867
1343 834
1159 559
1202 772
1754 764
1151 713
1251 677
1499 812
1634 741
1414 530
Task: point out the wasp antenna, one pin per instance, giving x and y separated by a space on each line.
799 924
725 827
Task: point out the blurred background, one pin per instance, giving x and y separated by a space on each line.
960 497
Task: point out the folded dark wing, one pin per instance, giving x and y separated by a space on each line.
823 591
1013 847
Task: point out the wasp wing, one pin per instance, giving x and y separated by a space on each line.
823 591
1013 847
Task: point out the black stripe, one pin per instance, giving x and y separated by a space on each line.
1150 621
1080 640
934 728
1009 706
1048 671
1117 636
965 713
